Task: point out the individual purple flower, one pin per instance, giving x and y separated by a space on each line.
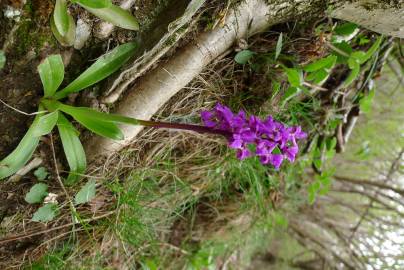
274 141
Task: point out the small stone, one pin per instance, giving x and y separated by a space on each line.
51 198
12 13
83 32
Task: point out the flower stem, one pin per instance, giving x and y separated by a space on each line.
191 127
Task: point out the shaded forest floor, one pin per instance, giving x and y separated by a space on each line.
173 200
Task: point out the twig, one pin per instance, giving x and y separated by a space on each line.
19 111
315 87
341 52
35 163
393 168
57 172
35 233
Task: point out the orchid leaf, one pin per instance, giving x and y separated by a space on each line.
96 125
51 71
115 15
74 151
94 3
96 115
102 68
105 129
45 124
21 154
61 17
68 38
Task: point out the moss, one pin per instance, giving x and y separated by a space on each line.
30 35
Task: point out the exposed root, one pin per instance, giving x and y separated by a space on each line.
158 86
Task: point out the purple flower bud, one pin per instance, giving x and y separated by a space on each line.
267 135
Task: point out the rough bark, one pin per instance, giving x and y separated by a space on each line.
379 16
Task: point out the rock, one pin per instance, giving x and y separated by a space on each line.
83 32
12 13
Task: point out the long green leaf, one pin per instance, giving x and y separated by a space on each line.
61 17
105 129
95 121
74 151
101 127
51 71
102 68
68 38
45 124
115 15
352 76
96 115
94 3
327 62
21 154
372 50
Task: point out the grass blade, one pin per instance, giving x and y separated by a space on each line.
279 44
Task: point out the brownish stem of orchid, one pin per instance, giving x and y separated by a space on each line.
196 128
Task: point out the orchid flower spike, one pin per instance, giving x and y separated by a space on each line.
274 141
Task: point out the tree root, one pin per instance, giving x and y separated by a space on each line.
159 85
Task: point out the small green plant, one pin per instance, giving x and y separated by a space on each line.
53 113
39 194
64 28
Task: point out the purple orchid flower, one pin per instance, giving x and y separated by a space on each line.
274 141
